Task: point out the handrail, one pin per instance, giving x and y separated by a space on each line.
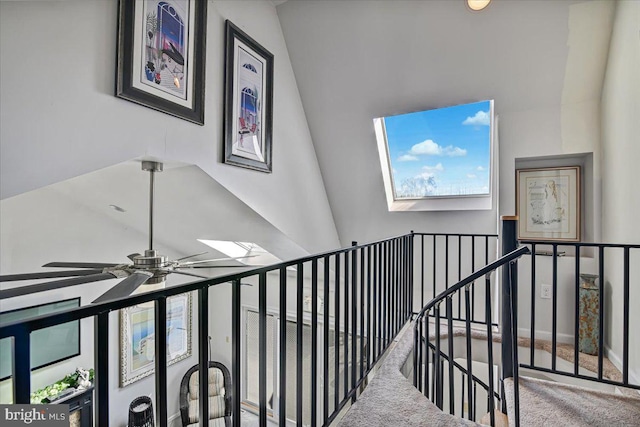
78 313
473 277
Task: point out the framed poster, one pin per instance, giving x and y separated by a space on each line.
248 101
137 332
548 203
161 55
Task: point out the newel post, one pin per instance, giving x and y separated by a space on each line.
509 238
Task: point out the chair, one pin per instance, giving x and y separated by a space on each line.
220 396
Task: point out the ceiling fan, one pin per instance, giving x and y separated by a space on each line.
147 268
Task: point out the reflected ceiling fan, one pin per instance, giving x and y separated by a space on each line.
149 268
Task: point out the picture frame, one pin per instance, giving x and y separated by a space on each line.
548 203
137 346
161 56
248 101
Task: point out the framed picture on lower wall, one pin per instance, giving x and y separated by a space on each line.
248 101
137 337
548 203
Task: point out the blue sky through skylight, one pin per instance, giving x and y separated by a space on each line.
443 152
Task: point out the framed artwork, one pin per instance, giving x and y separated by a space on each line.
248 101
548 203
137 344
161 59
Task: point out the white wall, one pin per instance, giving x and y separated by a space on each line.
620 156
59 116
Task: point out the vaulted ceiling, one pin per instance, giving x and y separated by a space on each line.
358 60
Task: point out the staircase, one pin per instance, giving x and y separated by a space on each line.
548 403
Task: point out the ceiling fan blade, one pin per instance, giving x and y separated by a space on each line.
25 290
215 259
80 265
190 274
191 256
215 266
47 275
125 288
133 256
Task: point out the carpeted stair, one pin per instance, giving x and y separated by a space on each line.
547 403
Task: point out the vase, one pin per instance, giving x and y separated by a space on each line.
589 330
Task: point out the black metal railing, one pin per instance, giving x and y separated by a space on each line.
430 357
560 265
447 259
367 298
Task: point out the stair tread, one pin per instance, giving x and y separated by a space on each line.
545 403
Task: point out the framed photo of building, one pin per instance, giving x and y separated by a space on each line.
548 203
137 337
248 101
161 56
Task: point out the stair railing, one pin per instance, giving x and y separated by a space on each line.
431 381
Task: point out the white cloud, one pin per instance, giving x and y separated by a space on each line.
471 176
407 158
437 167
427 147
431 148
480 119
480 168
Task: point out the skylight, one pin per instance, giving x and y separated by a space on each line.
255 254
441 153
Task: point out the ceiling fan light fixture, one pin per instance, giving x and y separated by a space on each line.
477 5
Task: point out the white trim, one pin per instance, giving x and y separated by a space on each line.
634 375
444 203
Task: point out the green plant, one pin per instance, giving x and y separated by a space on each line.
59 386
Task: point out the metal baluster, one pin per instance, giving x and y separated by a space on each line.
469 356
336 343
601 313
235 344
101 377
299 343
362 307
354 320
203 355
370 312
513 271
160 324
346 324
437 374
450 351
325 355
434 265
377 305
554 301
262 346
282 406
489 348
422 271
532 346
314 343
576 320
625 343
459 273
473 269
426 338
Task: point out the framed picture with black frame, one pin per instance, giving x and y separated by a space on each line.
161 56
248 102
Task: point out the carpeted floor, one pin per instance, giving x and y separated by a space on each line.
545 403
390 399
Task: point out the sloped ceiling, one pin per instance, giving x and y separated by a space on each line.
358 60
72 221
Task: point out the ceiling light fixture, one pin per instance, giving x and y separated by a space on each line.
477 5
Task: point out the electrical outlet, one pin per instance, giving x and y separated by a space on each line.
545 291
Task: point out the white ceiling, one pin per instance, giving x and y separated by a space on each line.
358 60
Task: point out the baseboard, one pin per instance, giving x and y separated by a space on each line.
545 335
634 375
